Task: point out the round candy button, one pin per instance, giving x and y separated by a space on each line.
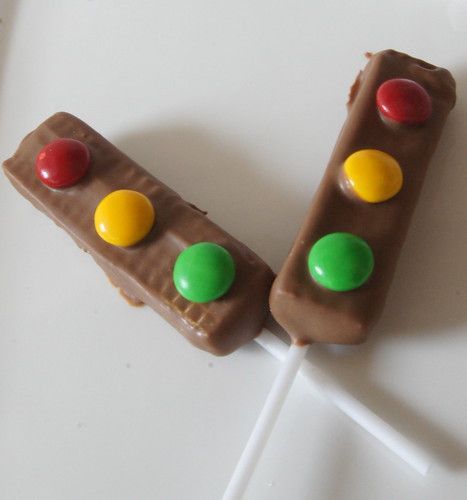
203 272
373 175
62 163
340 262
403 101
124 217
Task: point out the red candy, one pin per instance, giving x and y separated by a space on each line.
62 163
403 101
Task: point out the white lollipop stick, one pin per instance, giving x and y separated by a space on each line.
411 453
414 455
265 423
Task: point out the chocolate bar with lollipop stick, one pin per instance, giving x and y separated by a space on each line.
333 284
157 248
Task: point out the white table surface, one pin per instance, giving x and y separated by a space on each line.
236 105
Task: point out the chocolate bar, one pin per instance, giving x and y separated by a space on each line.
334 282
78 198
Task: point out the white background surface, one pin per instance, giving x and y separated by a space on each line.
236 105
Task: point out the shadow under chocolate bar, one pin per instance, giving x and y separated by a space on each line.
309 311
144 271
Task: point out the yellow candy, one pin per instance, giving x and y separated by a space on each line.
124 217
374 176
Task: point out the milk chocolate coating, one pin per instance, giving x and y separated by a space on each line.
144 272
310 312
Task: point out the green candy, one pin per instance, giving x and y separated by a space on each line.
340 261
203 272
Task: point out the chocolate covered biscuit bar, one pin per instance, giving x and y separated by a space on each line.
157 248
333 284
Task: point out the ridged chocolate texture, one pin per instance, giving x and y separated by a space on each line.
144 272
310 312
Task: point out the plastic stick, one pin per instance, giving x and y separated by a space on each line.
413 454
265 423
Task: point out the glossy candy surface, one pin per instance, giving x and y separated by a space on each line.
204 272
403 101
373 175
62 163
124 217
340 262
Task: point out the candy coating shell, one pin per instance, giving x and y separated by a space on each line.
62 163
124 217
340 262
403 101
204 272
373 175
